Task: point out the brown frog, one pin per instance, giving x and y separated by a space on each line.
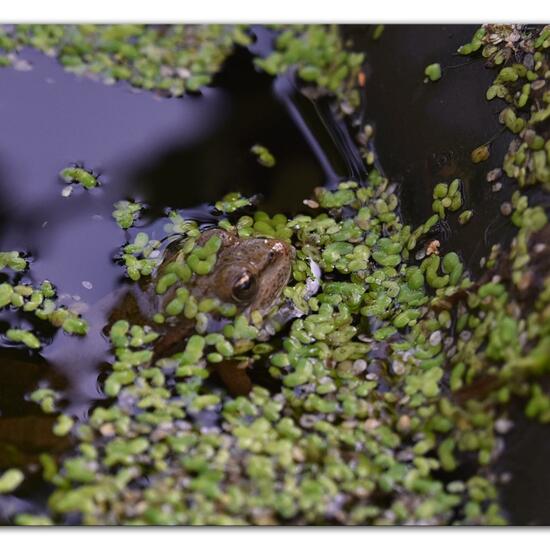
249 274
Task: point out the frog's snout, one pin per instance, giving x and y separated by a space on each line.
280 249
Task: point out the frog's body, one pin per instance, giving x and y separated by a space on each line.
249 274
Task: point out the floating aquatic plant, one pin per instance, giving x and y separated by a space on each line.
264 156
126 213
433 72
171 59
79 175
385 340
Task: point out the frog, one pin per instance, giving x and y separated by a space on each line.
244 275
248 277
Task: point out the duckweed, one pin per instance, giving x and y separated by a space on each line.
126 213
480 154
23 336
139 256
170 59
233 201
10 480
514 84
363 424
46 398
80 176
433 72
265 158
41 302
32 520
316 53
13 260
63 425
378 31
465 217
447 197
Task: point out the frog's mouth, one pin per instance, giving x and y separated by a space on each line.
288 310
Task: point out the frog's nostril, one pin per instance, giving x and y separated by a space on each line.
282 249
276 250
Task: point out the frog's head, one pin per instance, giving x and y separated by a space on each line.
251 272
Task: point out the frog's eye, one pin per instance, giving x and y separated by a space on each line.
244 287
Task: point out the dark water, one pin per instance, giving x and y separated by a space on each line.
425 132
183 153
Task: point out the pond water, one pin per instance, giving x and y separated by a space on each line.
178 153
168 152
187 152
